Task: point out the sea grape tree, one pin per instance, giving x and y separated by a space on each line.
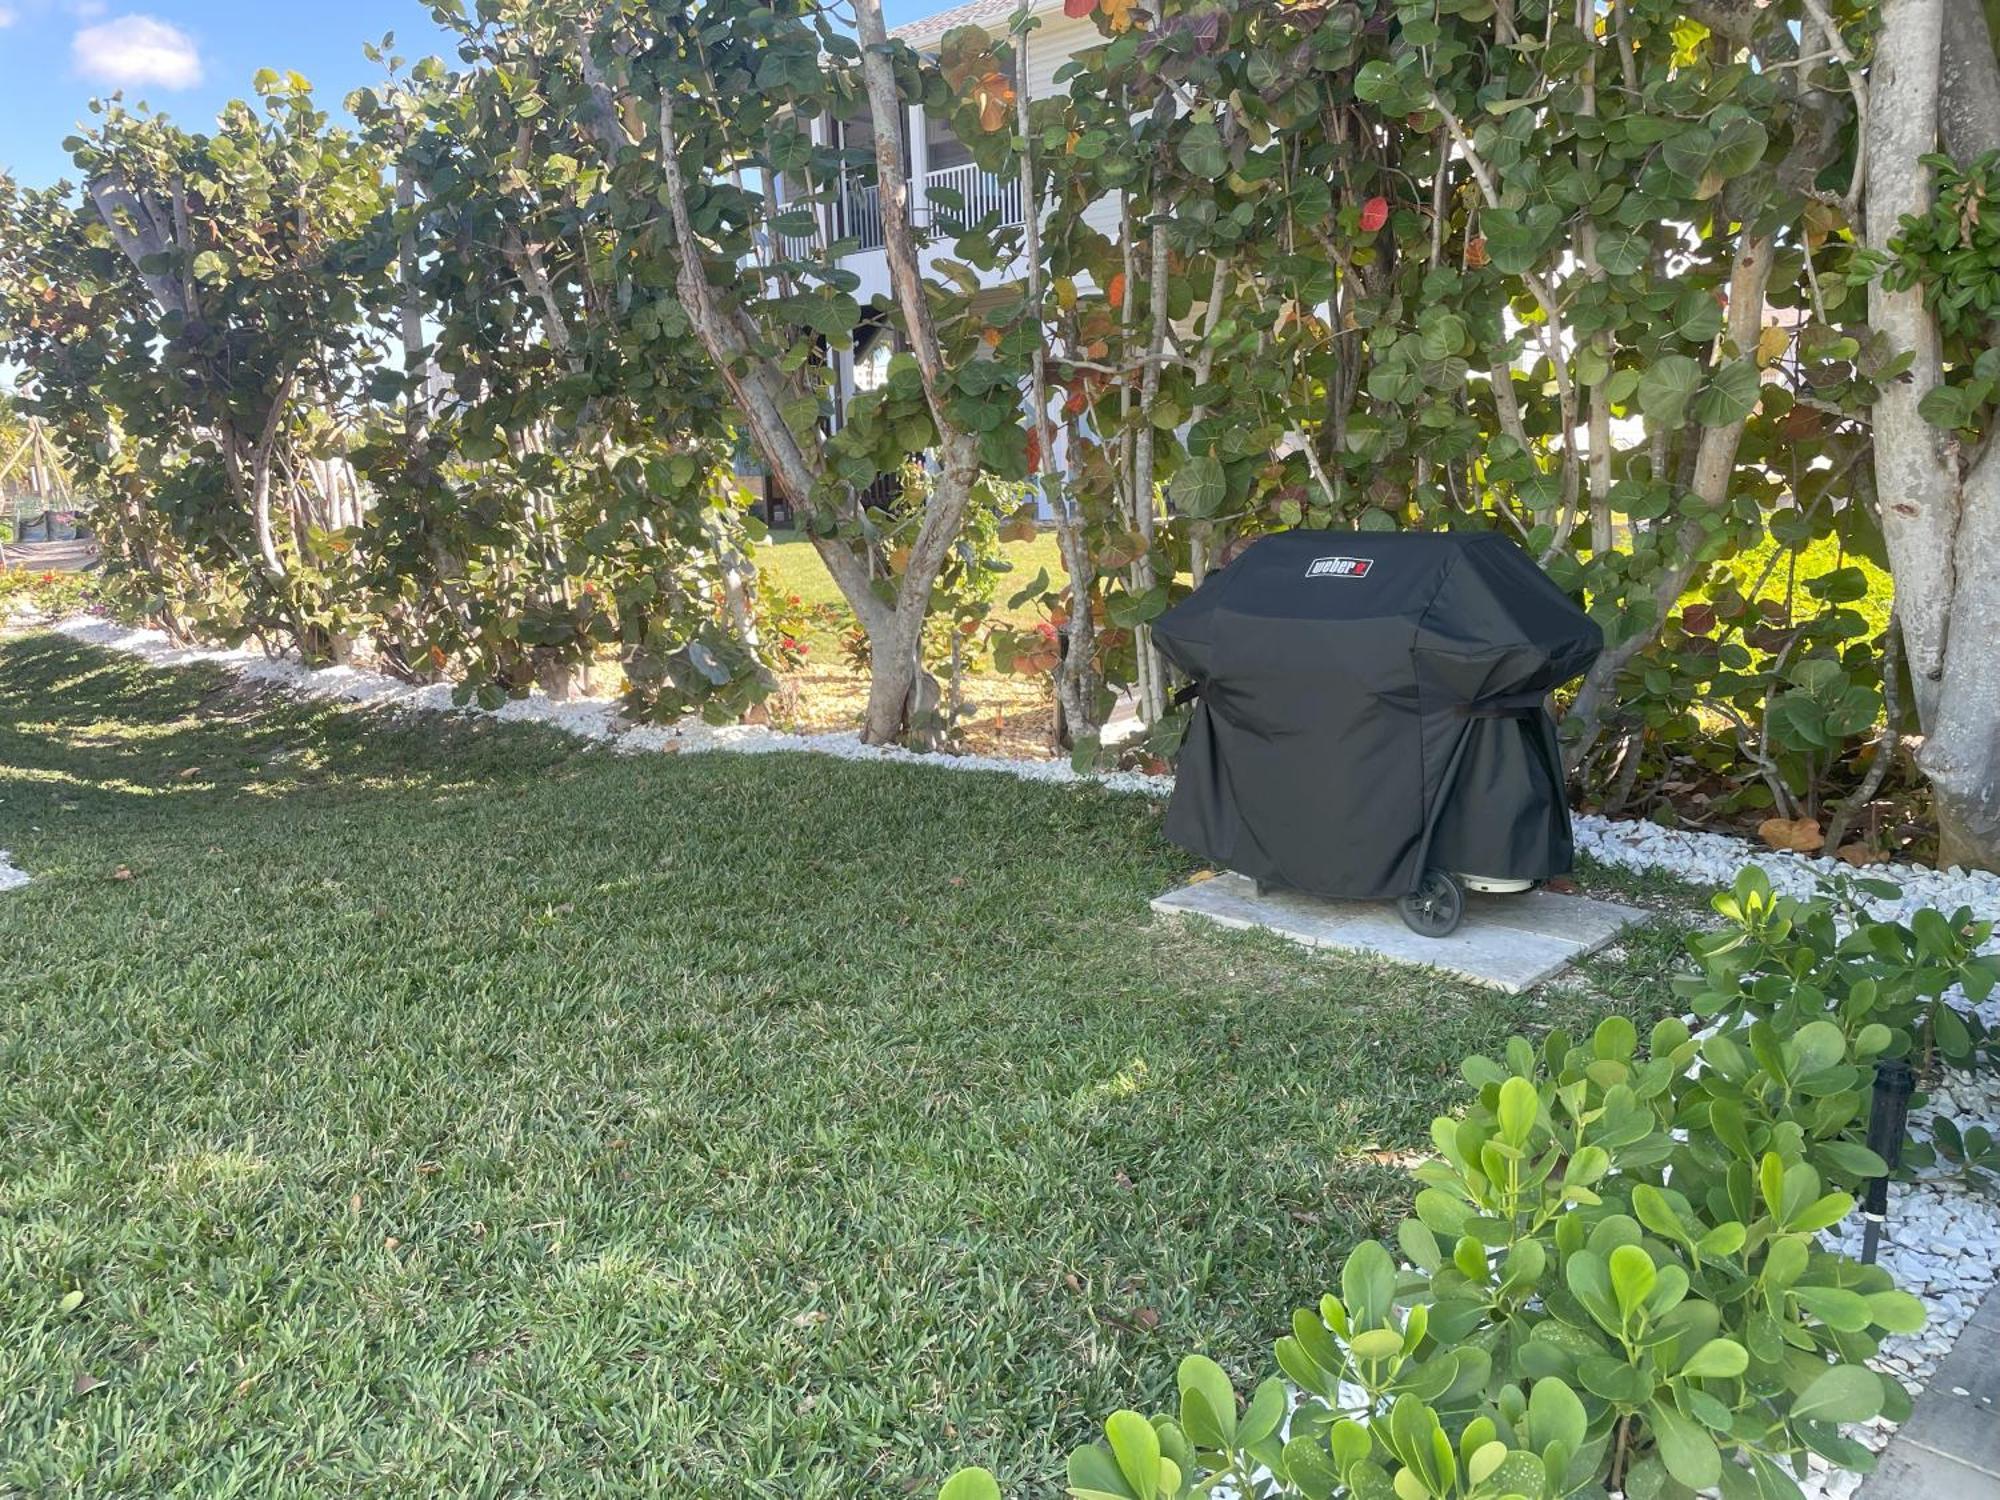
205 296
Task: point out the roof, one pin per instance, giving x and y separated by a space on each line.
973 13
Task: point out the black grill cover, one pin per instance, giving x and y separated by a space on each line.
1370 704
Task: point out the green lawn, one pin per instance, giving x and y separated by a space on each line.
452 1109
789 564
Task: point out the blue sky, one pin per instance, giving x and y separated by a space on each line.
187 57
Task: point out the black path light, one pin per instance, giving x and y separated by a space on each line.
1895 1081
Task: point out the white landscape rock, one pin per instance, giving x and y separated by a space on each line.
586 718
1942 1241
11 877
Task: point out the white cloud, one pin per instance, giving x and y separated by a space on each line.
127 51
8 16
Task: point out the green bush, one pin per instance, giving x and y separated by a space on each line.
1614 1277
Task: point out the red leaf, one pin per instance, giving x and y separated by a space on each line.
1374 214
1076 10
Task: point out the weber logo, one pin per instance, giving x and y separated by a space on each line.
1340 567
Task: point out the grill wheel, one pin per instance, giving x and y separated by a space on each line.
1436 907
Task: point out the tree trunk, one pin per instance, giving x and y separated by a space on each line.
958 452
1714 468
1075 674
563 681
1940 518
897 691
1151 684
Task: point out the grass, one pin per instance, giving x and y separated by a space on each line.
789 564
453 1109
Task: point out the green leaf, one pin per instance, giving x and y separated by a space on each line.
1837 1307
1368 1284
1897 1311
1850 1157
1740 142
1208 1403
1697 316
1306 1467
1038 587
1200 488
1820 1045
1690 153
1632 1277
1265 1414
1730 395
1419 1246
1203 153
1136 1446
1621 252
1094 1473
1519 1105
1667 386
970 1484
1688 1452
1556 1415
1653 1211
1949 406
1845 1393
1820 1214
1376 1344
1717 1359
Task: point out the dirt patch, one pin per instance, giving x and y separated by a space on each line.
1013 716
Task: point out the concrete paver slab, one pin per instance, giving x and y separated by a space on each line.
1950 1447
1510 943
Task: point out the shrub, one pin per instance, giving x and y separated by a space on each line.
1613 1277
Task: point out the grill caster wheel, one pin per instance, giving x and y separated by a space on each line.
1436 907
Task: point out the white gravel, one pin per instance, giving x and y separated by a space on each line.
1714 859
587 718
1942 1242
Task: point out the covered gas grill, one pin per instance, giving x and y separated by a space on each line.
1371 717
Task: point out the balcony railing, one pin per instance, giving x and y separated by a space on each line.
861 215
982 193
857 211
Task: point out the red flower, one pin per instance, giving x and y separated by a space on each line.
1374 214
1076 10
